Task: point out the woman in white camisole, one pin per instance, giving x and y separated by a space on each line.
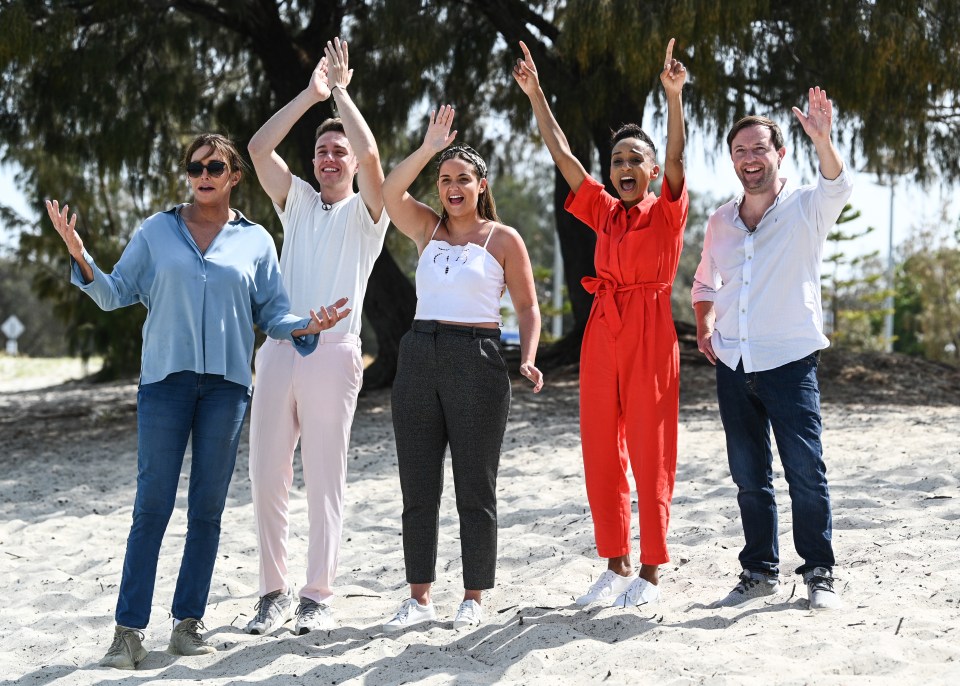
452 386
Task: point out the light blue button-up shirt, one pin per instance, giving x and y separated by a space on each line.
201 307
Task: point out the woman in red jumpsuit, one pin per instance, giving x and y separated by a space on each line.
629 363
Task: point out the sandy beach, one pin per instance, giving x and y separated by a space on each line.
892 442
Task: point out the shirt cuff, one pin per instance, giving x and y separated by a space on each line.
76 276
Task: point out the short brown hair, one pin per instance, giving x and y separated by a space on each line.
220 144
331 124
776 135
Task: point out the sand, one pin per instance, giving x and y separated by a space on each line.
67 477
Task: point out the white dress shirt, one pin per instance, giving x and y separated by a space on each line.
765 284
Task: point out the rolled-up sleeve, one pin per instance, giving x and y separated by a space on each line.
706 280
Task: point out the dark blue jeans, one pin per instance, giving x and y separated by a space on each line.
786 399
210 410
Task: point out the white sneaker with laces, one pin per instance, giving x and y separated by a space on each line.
608 585
640 592
411 612
820 591
468 614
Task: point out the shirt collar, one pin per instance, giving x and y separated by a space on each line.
786 189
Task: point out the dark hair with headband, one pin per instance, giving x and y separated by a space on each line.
486 207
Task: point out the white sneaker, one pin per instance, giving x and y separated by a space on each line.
640 592
411 612
608 585
313 616
820 591
468 614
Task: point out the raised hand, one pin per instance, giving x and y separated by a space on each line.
818 120
525 72
318 80
438 135
338 61
674 74
66 228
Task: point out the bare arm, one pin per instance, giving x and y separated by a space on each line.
525 74
272 171
413 218
817 124
519 277
673 76
370 173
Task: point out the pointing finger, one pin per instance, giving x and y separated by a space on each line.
668 60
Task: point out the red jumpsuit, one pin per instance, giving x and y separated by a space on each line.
630 365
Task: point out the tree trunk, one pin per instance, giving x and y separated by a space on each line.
390 305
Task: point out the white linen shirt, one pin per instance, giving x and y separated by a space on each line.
328 254
765 284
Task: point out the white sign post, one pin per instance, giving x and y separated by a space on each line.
12 328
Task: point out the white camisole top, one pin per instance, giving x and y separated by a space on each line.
459 283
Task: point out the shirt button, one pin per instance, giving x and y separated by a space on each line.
746 283
743 309
749 257
743 339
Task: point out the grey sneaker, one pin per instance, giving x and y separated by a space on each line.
752 585
820 593
186 639
272 610
313 616
126 651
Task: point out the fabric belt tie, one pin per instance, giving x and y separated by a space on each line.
604 290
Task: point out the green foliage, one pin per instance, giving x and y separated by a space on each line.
929 277
853 290
97 98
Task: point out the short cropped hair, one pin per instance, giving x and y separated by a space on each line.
632 131
331 124
776 135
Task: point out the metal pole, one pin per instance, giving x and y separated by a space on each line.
888 301
557 324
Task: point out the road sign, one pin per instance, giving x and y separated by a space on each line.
13 327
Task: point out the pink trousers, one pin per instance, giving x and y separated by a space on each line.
311 399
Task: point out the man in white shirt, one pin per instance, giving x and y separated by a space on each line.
330 242
757 299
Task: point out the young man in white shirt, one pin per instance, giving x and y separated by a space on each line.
757 299
330 242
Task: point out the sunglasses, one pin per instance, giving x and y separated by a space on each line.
214 168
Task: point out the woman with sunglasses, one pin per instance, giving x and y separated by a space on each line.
206 275
452 386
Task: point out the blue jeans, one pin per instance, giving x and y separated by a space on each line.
786 399
211 410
